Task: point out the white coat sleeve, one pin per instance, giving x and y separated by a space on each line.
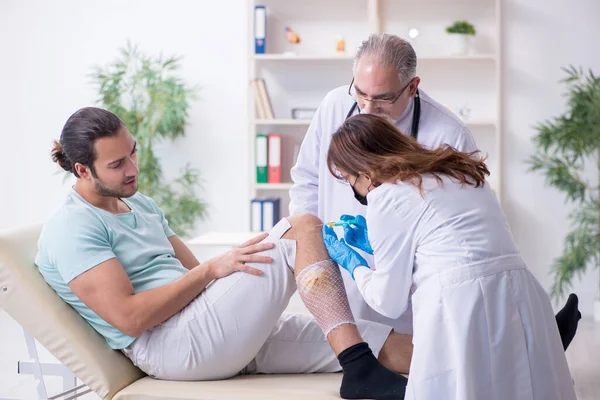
464 141
393 234
304 194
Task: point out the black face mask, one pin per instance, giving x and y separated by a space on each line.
361 199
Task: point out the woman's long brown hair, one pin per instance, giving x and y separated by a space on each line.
372 145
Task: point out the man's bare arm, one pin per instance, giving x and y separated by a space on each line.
107 290
183 253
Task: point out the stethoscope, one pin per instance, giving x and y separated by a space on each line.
416 114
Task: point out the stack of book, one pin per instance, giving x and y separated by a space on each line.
262 102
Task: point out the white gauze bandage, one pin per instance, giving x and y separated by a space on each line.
322 290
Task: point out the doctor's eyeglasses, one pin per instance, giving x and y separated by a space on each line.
361 97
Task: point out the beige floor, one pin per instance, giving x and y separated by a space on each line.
583 356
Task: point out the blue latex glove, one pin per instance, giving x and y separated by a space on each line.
341 253
357 234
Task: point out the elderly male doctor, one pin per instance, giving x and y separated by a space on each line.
385 83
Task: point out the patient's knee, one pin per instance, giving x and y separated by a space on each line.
302 224
304 220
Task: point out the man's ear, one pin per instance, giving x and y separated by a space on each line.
414 85
83 171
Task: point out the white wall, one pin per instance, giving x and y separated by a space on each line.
540 37
49 47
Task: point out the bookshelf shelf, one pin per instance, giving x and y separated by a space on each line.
480 122
325 57
282 122
301 57
472 57
273 186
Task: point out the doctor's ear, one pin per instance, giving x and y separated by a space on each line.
413 86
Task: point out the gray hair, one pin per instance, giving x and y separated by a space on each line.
389 50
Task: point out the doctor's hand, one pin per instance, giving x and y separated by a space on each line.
357 234
235 260
341 253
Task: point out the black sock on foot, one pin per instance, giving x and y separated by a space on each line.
366 378
567 320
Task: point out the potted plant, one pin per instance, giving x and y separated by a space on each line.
460 32
566 144
146 93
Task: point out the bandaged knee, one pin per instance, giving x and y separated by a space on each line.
322 290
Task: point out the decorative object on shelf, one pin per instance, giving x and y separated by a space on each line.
463 111
303 113
262 101
292 37
153 101
340 46
564 147
461 32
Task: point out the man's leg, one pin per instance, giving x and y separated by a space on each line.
219 333
322 290
222 329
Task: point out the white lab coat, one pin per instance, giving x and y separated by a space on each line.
483 326
317 192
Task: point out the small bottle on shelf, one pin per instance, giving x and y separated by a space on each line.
340 46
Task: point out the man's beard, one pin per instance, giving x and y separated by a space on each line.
118 193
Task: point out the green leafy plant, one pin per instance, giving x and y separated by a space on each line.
565 145
146 93
462 27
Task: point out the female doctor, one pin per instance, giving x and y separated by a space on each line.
483 325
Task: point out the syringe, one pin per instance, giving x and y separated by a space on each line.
341 223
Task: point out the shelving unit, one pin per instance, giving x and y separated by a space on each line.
303 79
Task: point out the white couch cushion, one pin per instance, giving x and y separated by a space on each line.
247 387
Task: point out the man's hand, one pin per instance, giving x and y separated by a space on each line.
235 259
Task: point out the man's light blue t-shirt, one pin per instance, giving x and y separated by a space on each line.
80 236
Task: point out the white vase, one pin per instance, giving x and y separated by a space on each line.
597 310
460 44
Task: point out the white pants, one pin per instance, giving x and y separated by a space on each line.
236 326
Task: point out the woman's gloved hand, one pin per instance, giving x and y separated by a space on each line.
341 253
357 234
